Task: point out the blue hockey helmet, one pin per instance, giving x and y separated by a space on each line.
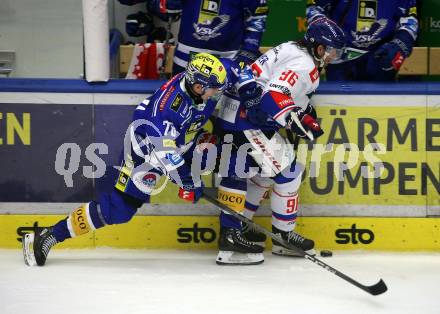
323 31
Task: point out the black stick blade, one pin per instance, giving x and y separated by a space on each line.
378 288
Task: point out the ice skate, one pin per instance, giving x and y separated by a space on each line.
253 235
234 249
36 246
307 245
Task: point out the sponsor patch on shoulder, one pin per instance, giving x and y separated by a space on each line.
177 102
314 75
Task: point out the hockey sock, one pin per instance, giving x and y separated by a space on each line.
257 191
284 205
85 218
232 193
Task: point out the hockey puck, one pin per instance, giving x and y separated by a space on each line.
326 253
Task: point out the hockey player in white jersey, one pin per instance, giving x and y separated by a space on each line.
285 76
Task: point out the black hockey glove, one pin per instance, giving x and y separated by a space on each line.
139 24
307 119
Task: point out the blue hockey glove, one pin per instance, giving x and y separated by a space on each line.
139 24
165 9
392 54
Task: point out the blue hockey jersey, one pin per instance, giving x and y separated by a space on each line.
220 27
168 120
367 23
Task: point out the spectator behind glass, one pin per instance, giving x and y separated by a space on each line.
381 35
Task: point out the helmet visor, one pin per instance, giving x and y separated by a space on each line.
335 54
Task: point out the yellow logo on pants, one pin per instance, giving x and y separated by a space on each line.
234 201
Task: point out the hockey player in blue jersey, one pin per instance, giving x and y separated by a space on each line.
226 29
285 76
381 35
154 146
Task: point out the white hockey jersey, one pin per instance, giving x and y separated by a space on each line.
288 73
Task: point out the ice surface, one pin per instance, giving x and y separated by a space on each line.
133 281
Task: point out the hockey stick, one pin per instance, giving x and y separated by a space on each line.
210 195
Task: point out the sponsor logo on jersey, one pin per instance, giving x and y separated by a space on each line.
234 201
177 102
281 100
367 9
209 23
122 182
210 7
175 159
166 97
261 60
149 180
354 235
369 35
367 13
196 125
196 234
314 75
281 88
169 143
210 28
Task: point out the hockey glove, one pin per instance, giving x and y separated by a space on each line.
392 54
165 9
307 121
139 24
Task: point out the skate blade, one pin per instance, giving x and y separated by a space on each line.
28 249
282 251
235 258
